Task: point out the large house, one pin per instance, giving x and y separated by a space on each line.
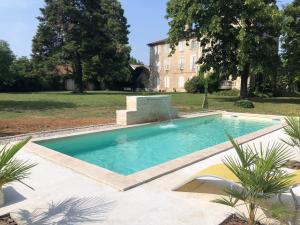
170 72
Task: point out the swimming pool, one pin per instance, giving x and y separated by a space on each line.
130 150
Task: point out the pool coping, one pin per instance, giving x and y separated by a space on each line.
124 183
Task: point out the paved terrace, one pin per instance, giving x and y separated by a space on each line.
64 197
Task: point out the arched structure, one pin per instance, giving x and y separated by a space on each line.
141 77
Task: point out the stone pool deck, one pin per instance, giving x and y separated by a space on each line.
64 197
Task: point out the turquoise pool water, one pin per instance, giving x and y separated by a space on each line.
130 150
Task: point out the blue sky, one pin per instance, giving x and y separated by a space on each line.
146 19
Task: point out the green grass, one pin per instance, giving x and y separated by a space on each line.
64 105
29 112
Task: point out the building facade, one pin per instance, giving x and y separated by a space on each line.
170 72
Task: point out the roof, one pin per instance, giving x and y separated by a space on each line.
134 67
163 41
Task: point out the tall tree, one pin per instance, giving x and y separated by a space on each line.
6 59
135 61
291 43
88 35
236 36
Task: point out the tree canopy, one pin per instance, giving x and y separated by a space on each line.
135 61
237 37
291 44
88 35
6 59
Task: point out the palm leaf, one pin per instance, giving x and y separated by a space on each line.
12 169
292 129
6 154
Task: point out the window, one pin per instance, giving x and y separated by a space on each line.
156 49
181 46
158 66
167 64
167 48
193 44
193 62
167 82
181 82
181 63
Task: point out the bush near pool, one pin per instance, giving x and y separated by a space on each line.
244 104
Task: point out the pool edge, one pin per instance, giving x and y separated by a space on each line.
124 183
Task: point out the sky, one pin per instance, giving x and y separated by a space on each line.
18 24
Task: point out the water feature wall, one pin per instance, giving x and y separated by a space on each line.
143 109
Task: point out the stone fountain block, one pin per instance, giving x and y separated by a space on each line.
143 109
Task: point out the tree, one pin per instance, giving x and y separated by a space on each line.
291 44
6 59
205 99
22 67
90 36
261 177
236 36
135 61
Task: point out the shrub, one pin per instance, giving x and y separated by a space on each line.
244 104
197 83
233 92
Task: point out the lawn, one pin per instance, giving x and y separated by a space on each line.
27 112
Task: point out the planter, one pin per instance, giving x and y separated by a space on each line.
235 220
2 199
7 220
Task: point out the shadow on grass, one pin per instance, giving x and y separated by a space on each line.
291 100
124 93
71 211
9 105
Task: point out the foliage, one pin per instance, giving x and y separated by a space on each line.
194 85
244 104
292 129
261 176
197 83
13 169
24 77
283 213
6 59
135 61
240 39
233 92
91 36
291 45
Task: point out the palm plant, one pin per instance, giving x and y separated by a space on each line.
292 129
12 169
261 177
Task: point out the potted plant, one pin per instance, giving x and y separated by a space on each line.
12 169
261 177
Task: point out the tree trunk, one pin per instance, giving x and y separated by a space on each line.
205 100
244 82
290 84
274 83
251 214
78 73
